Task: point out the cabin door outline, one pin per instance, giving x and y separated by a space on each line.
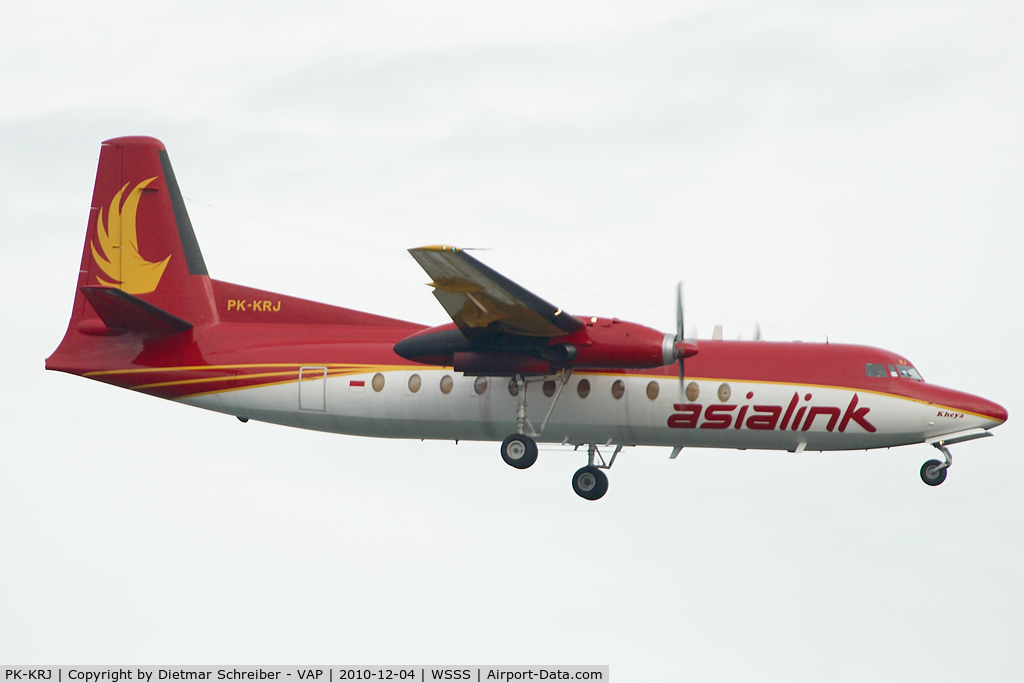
313 388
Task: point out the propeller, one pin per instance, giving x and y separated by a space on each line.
679 331
681 349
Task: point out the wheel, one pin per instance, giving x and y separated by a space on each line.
932 474
589 482
519 450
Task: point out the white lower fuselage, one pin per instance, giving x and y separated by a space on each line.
776 416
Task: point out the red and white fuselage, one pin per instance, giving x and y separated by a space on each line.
761 395
148 317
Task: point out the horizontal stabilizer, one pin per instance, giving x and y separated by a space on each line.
120 310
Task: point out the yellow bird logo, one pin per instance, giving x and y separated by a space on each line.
119 244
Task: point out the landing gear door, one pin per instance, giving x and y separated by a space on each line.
313 388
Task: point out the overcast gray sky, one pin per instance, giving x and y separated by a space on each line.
843 169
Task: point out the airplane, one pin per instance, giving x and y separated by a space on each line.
148 317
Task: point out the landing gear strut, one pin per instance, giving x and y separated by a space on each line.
933 472
520 450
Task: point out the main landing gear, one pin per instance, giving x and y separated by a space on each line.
933 472
590 482
520 450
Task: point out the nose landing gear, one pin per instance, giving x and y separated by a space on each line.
933 472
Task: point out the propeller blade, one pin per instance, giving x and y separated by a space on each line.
679 331
757 331
679 311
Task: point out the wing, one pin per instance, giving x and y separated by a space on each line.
478 298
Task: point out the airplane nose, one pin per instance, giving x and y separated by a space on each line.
980 406
996 412
962 402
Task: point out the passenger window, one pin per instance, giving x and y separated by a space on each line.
875 369
583 388
618 388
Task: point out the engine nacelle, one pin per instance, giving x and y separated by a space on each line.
614 343
603 343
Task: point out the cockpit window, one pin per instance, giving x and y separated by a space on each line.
909 372
875 369
903 370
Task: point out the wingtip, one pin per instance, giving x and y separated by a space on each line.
436 247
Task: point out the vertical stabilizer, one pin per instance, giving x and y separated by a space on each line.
139 241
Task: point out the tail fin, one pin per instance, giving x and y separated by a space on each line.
140 239
140 242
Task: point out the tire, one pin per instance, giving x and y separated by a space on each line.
932 476
519 451
590 483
